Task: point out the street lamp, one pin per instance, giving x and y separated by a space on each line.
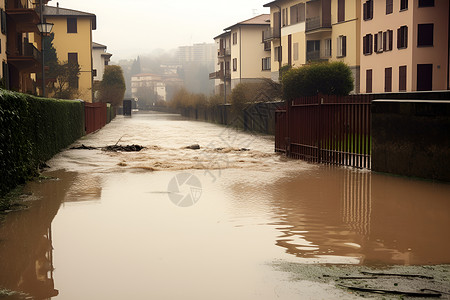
44 29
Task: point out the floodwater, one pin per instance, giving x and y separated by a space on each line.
174 223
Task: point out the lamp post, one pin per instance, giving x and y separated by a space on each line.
45 29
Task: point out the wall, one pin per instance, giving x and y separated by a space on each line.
411 138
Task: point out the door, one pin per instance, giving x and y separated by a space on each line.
424 77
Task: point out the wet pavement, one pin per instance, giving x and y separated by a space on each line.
169 222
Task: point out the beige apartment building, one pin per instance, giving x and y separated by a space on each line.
306 31
404 45
222 62
248 57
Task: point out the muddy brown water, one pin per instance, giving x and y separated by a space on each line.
124 226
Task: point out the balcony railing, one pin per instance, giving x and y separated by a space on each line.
318 55
272 33
224 52
220 75
316 23
31 51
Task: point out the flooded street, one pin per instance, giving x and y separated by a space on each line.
170 222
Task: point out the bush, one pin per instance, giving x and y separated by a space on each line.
326 78
32 131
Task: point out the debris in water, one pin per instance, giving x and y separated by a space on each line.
193 147
127 148
83 147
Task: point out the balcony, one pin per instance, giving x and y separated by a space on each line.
267 46
27 58
318 55
24 16
224 52
316 23
220 75
271 33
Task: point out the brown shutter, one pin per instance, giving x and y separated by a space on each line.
368 81
370 44
391 37
365 15
402 78
399 37
344 46
387 80
341 10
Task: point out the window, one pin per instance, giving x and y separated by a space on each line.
234 38
3 20
73 59
341 46
94 72
284 17
297 13
388 80
424 77
378 42
403 5
368 10
71 25
402 78
389 7
341 10
327 48
426 3
367 44
234 64
277 54
402 37
369 81
266 63
425 35
387 40
295 51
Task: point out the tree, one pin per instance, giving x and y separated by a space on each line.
61 77
112 87
147 97
326 78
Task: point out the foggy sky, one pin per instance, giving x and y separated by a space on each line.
135 27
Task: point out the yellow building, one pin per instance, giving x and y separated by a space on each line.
304 31
73 43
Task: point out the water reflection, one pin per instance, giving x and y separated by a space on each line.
26 251
336 215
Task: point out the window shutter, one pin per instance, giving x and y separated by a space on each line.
365 17
301 12
341 10
344 46
370 44
375 43
391 37
368 81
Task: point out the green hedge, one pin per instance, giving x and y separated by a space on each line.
32 130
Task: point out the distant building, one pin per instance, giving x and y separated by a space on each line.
150 83
198 53
404 45
100 59
242 56
73 43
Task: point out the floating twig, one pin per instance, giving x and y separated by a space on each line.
396 274
381 291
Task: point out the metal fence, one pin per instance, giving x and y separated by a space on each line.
326 129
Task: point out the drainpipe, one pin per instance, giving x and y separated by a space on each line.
240 54
42 49
279 26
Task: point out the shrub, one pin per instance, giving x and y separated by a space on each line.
32 131
326 78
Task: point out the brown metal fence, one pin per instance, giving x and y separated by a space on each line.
326 129
95 116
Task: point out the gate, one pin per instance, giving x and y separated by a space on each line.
95 116
326 129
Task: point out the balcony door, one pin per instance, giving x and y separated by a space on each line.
313 50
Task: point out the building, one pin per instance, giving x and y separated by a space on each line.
404 45
197 53
242 52
73 43
222 61
306 31
20 44
146 84
100 59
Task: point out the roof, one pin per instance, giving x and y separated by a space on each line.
226 33
271 3
51 11
97 45
263 19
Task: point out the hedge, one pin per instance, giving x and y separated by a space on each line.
32 130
